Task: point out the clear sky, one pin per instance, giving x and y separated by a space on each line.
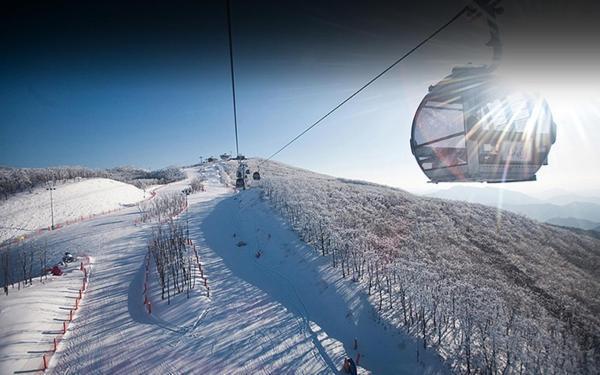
148 84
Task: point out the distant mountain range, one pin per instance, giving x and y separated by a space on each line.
575 223
575 211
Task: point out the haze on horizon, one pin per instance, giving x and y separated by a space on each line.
143 84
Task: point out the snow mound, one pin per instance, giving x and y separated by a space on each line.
27 212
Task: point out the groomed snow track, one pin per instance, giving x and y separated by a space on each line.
285 312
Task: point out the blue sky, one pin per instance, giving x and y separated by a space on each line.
152 98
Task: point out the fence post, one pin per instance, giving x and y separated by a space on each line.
64 327
55 344
45 362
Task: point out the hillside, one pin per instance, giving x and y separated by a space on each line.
584 232
24 213
16 180
565 210
586 211
488 289
573 223
490 196
299 267
284 312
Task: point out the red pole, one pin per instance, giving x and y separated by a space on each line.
55 344
70 315
45 362
81 267
64 327
79 293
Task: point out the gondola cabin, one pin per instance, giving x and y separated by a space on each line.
239 183
256 176
472 127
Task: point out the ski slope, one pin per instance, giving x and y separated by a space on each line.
32 317
283 312
27 212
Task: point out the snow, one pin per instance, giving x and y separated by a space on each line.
28 212
284 312
331 311
442 271
32 317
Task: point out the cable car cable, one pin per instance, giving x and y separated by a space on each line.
237 148
240 180
424 41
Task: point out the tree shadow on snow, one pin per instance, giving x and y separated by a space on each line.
292 274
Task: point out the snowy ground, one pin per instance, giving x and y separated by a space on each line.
27 212
284 312
32 317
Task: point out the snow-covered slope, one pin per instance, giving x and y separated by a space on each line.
454 272
284 312
24 213
31 318
474 284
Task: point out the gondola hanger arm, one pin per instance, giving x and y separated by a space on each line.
490 9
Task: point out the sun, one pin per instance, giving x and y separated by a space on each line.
574 100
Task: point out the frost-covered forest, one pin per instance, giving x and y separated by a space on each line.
162 208
491 291
15 180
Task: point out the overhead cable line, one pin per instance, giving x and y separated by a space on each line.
427 39
237 148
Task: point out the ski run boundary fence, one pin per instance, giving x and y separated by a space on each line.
85 267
